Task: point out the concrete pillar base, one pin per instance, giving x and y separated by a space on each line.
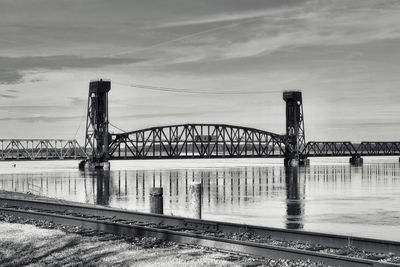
86 165
304 162
356 161
289 162
293 162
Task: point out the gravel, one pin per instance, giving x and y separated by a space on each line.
40 243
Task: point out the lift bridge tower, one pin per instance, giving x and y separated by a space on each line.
97 137
295 131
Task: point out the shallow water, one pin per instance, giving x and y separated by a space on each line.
329 196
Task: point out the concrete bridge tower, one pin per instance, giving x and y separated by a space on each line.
295 131
97 136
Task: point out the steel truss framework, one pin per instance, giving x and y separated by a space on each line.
197 141
341 149
40 149
190 141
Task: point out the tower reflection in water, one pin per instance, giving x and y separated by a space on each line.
273 195
102 187
294 199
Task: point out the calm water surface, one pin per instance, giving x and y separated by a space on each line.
336 198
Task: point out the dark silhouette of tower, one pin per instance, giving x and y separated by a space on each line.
295 131
97 136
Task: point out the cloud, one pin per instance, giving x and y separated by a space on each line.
9 75
77 101
220 18
7 96
257 33
41 118
328 48
12 68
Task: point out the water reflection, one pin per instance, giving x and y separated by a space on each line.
102 181
295 198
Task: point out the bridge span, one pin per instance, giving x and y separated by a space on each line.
189 140
41 149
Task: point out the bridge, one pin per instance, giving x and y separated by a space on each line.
189 140
40 149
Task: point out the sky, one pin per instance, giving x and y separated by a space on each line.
231 58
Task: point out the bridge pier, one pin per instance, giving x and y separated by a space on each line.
304 162
296 162
291 162
356 161
87 165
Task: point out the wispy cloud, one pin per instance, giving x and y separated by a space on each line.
41 118
314 23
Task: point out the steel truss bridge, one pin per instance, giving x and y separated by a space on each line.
344 149
228 141
196 141
188 140
40 149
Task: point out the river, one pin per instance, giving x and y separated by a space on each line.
329 196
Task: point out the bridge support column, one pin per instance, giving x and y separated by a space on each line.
295 131
97 137
356 161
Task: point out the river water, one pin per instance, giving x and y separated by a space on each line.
329 196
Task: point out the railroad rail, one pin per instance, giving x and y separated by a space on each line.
201 232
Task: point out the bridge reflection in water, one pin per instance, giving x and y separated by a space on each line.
274 195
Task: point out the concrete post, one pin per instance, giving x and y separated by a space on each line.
195 196
156 200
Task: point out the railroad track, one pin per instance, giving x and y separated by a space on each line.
212 234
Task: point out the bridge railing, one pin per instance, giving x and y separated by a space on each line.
40 149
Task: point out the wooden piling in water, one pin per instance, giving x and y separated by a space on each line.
195 200
156 200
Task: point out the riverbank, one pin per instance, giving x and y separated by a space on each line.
43 243
23 244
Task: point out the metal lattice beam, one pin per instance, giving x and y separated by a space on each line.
343 149
40 149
